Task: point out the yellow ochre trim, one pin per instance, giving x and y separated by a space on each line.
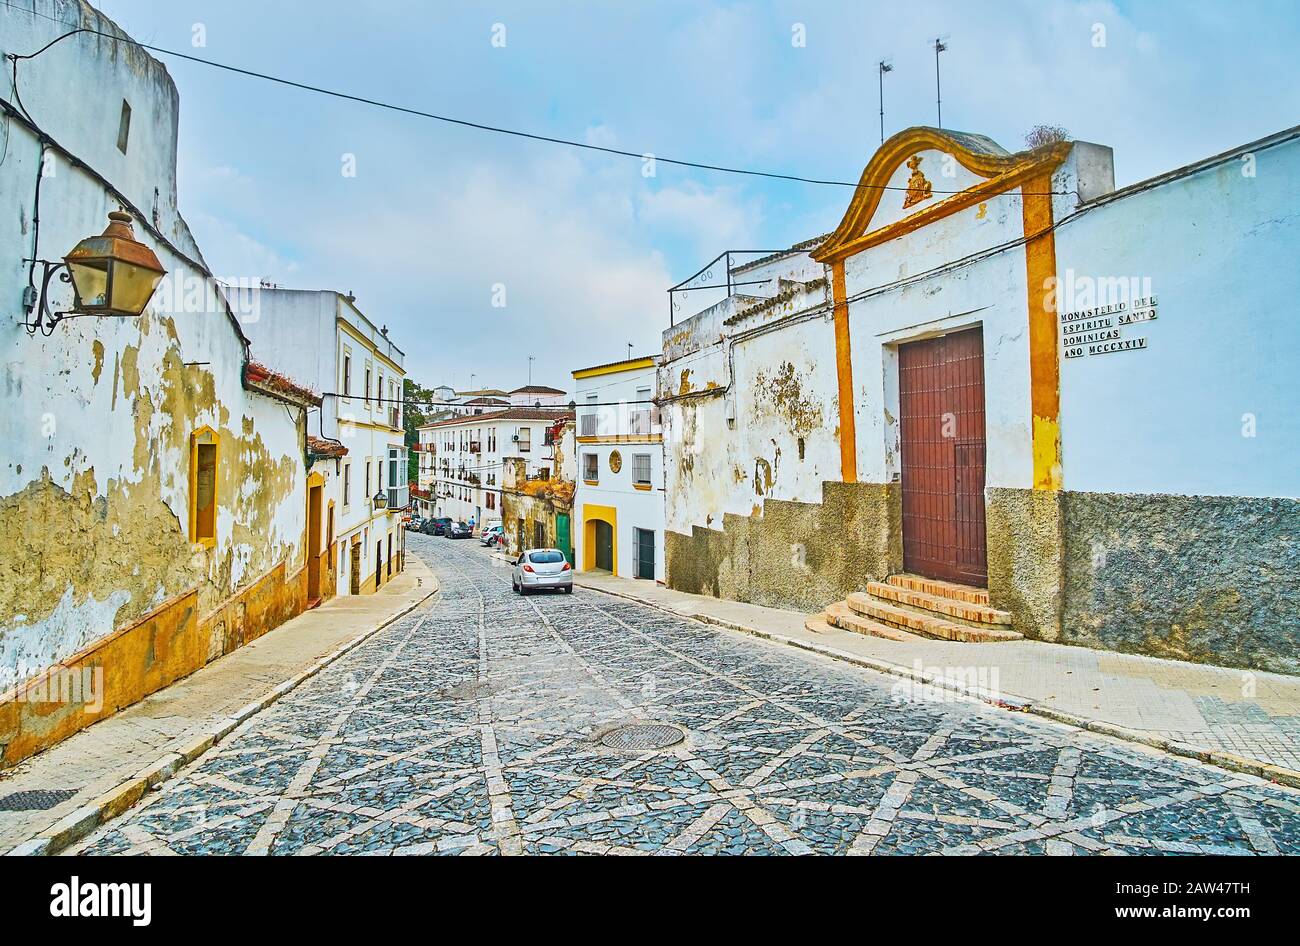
205 435
632 364
622 438
844 375
590 514
1044 356
1004 172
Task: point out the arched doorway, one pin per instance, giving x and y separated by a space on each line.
600 538
315 492
602 544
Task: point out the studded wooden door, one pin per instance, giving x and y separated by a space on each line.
941 407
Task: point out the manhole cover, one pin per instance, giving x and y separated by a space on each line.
38 799
642 737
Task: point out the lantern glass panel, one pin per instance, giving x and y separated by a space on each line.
91 282
132 287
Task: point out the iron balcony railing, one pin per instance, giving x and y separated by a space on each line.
716 274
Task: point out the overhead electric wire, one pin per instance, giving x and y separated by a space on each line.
497 129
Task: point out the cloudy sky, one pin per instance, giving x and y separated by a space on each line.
437 217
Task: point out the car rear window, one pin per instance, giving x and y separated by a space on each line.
545 558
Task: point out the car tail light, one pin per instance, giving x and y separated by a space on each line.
566 567
528 568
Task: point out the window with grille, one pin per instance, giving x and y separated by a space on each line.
641 469
590 467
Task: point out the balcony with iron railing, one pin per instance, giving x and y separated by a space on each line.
715 282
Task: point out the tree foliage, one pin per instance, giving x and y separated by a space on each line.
416 399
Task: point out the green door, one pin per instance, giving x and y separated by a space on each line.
562 541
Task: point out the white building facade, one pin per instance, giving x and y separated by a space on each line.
467 453
321 339
152 487
1000 371
619 500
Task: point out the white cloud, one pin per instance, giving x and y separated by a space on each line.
711 219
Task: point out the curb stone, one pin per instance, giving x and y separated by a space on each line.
77 824
1223 760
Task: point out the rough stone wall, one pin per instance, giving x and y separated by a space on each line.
1023 537
794 555
1203 578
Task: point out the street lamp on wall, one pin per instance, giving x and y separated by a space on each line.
112 274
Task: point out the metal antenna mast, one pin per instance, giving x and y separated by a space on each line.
884 67
939 46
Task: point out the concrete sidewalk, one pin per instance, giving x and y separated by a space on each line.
1243 720
112 763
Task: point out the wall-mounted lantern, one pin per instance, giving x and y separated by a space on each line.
112 274
380 499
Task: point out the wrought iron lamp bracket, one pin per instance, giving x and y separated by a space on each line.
46 319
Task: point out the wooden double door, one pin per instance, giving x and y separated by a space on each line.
941 417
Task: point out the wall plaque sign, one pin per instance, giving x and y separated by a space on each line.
1106 329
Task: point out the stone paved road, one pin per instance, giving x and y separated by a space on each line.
467 728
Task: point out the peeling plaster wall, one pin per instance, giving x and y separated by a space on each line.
517 504
732 441
1176 533
96 419
989 293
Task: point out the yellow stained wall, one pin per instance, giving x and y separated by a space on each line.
170 642
106 536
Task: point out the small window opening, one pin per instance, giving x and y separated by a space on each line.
124 127
205 492
800 448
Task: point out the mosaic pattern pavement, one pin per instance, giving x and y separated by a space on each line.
474 725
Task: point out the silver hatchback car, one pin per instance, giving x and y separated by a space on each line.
542 568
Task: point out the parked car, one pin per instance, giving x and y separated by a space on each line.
414 523
492 535
540 569
459 530
438 525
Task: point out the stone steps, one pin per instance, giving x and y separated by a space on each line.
844 617
967 612
943 589
924 623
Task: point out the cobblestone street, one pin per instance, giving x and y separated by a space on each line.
474 725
